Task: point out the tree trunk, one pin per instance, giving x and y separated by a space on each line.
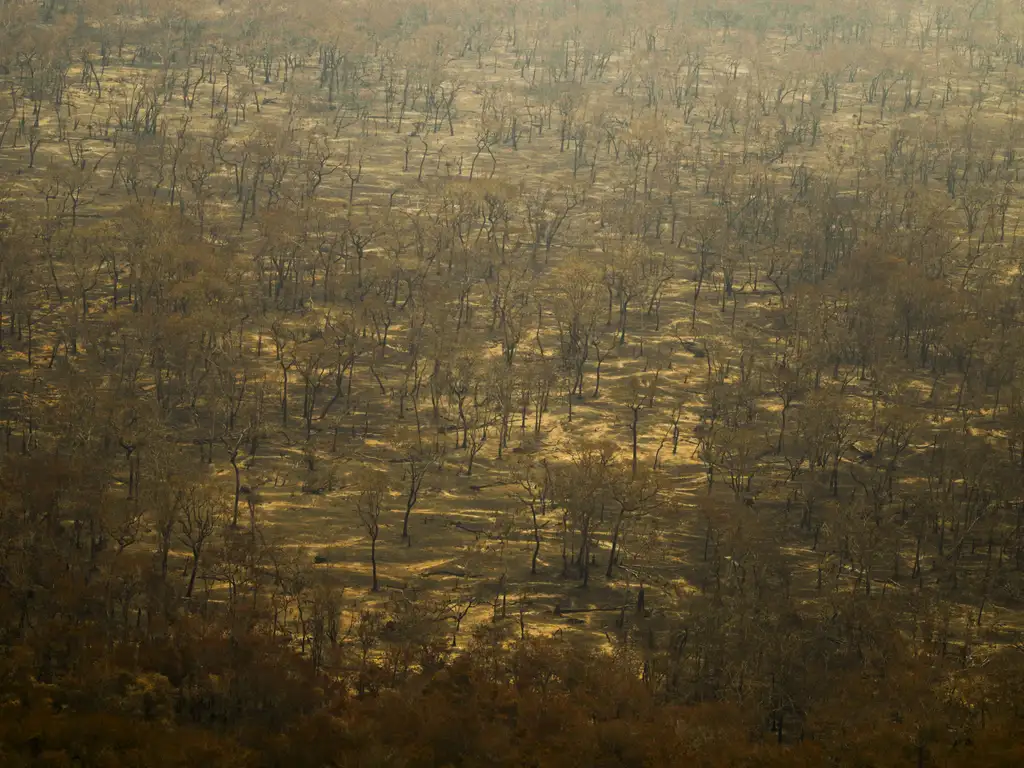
238 487
373 561
615 545
192 576
633 431
536 545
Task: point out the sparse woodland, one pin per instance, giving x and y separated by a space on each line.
515 383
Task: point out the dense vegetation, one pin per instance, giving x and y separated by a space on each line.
511 383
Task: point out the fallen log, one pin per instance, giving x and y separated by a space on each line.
466 528
445 572
559 611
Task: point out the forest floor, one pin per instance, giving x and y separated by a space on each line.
456 524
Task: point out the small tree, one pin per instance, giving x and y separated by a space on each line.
634 495
369 505
419 460
532 488
200 512
641 397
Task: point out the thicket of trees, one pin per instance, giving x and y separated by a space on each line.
705 318
207 693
